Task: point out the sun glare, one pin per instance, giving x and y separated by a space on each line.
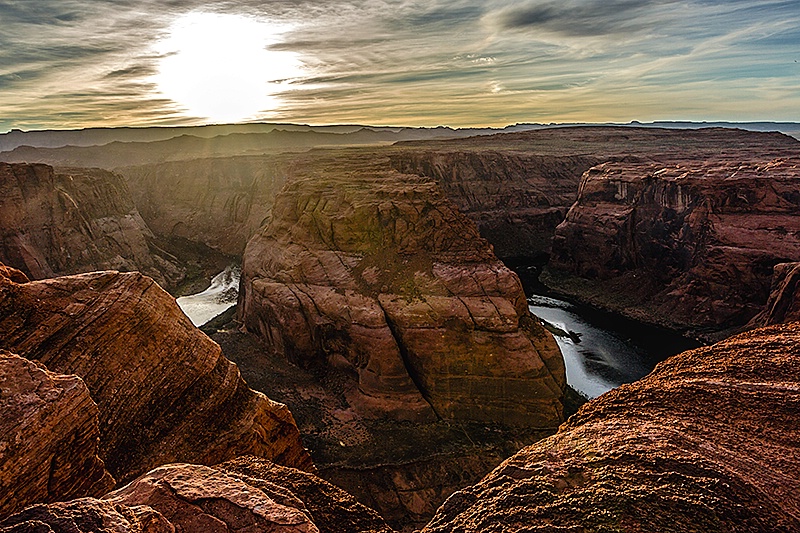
219 67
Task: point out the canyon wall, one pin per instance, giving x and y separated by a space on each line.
220 202
516 199
163 390
690 246
75 220
706 443
374 271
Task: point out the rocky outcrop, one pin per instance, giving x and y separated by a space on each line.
75 220
48 437
705 443
516 199
783 304
199 498
220 202
246 494
691 246
164 390
331 509
87 515
376 272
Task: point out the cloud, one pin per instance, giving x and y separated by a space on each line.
458 62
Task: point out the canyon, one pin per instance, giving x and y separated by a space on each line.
373 304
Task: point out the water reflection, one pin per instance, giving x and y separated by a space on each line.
597 357
220 296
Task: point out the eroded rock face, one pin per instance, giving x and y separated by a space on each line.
164 390
691 246
784 298
331 509
48 437
199 498
707 442
516 199
374 271
75 220
220 202
87 515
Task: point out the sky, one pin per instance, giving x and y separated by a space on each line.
82 63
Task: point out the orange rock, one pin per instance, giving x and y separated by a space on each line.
164 390
48 437
707 442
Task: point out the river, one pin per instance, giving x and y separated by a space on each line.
220 296
603 351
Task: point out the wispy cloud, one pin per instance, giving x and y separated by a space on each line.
70 63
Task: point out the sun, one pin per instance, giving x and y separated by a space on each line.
219 66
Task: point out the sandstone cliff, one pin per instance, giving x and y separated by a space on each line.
783 304
164 390
691 246
220 202
75 220
48 437
516 198
705 443
376 272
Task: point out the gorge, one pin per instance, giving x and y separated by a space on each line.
373 304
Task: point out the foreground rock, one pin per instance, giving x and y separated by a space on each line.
69 221
690 245
375 272
707 442
164 391
199 498
87 515
246 494
48 437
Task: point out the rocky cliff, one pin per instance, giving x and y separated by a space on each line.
689 245
48 437
75 220
516 198
705 443
376 272
163 389
220 202
783 304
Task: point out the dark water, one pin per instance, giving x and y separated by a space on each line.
601 350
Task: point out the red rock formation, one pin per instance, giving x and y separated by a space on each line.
376 272
48 437
87 515
199 498
220 202
784 298
164 390
690 246
705 443
517 199
331 509
74 220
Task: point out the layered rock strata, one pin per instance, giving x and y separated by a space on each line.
707 442
246 494
220 202
783 304
691 246
87 515
516 199
75 220
164 390
376 272
48 437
